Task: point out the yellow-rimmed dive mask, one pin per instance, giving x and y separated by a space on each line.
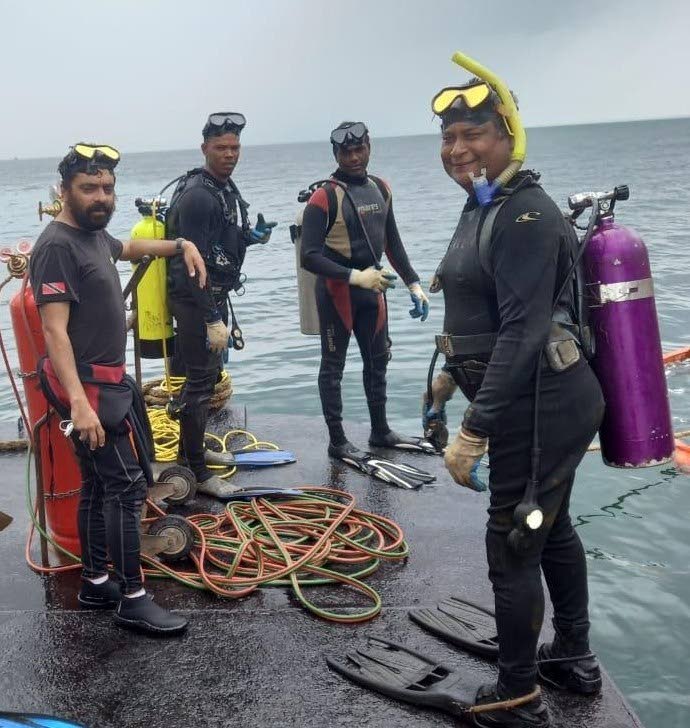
93 151
473 96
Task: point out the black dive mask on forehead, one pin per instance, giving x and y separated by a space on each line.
347 136
223 122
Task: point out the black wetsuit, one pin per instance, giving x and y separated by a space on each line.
69 264
206 212
507 291
333 244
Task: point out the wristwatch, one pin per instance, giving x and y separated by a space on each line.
179 242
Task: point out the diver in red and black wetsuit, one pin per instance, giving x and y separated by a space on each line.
346 228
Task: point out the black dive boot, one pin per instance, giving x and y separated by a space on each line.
533 714
394 441
99 596
569 665
144 615
343 451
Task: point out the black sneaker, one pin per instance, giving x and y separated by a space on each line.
99 596
143 614
530 715
578 674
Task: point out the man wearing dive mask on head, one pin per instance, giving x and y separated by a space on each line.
207 208
346 228
77 288
501 274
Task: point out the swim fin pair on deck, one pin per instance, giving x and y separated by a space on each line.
407 675
404 674
249 458
398 474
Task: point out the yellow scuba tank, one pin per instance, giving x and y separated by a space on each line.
154 321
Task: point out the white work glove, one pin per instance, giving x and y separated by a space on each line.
372 279
218 335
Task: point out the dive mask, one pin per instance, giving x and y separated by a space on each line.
472 96
232 120
94 151
355 134
96 156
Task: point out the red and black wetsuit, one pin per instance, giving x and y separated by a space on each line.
333 243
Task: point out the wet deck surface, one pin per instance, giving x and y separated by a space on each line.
257 661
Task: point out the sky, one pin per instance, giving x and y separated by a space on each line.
143 75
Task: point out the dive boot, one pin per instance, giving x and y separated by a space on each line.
144 615
216 487
568 670
394 441
533 714
99 596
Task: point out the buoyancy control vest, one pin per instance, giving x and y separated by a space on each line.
476 337
224 253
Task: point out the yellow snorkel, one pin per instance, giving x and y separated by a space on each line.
483 188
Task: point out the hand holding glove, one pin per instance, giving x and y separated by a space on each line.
420 301
261 233
462 459
373 279
218 336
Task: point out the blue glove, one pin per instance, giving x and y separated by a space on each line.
261 233
420 301
429 414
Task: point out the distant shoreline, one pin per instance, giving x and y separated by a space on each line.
395 136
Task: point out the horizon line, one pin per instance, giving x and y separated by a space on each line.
391 136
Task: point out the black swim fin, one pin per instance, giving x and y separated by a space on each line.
398 474
404 674
472 628
461 623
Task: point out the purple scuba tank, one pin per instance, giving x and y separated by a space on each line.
637 430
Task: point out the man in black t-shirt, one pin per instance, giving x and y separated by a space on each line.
207 208
77 288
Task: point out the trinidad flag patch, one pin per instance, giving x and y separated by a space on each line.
51 289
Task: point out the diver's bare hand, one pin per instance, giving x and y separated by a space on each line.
87 424
194 262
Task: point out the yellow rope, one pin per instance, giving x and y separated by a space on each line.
166 436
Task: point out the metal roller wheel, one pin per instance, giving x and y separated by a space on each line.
178 534
184 481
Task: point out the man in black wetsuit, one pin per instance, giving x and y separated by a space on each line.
344 246
207 208
500 277
77 288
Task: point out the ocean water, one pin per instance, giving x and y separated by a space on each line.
633 524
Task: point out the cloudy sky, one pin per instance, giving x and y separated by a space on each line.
144 74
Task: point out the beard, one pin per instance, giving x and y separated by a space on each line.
93 218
